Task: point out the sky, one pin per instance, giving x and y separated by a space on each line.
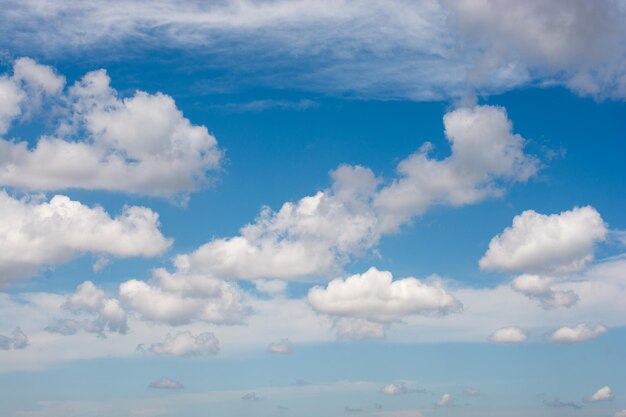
312 208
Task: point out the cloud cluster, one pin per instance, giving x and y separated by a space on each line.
35 233
556 243
319 233
184 344
141 144
17 340
580 333
182 298
449 48
91 300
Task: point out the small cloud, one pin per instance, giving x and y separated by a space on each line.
603 394
17 340
556 403
508 335
100 264
166 383
184 344
446 400
621 413
251 396
580 333
271 287
349 409
282 347
399 389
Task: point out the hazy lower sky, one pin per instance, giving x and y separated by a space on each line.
308 208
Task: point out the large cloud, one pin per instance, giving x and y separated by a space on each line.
375 296
320 233
448 48
34 233
140 144
556 243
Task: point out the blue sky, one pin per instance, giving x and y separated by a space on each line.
306 208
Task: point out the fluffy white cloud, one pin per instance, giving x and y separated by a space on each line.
555 243
17 340
508 335
166 383
603 394
486 155
451 47
185 344
375 296
93 301
283 347
538 287
577 334
446 400
141 144
35 233
179 299
320 233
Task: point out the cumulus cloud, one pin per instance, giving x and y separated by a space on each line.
577 334
184 344
91 300
35 233
141 144
182 298
17 340
282 347
446 400
320 233
508 335
556 243
166 383
538 288
375 296
398 389
452 47
603 394
486 155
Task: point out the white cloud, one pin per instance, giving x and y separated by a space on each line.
320 233
35 233
180 299
603 394
358 329
185 344
91 300
472 392
270 286
375 296
538 287
283 347
508 335
449 48
556 243
577 334
17 340
446 400
486 155
621 413
398 389
140 144
166 383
